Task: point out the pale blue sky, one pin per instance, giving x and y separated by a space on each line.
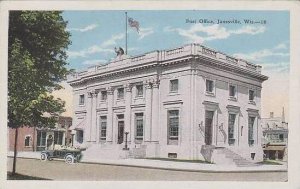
96 33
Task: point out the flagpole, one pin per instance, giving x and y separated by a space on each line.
126 33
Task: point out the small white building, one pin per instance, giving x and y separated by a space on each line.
190 102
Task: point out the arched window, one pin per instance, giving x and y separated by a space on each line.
27 141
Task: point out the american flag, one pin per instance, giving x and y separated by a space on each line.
134 24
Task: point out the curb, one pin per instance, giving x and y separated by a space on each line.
167 168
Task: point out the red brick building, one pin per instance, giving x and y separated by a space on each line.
37 139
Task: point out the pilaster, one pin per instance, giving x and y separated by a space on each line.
155 111
148 111
87 130
110 98
94 117
128 94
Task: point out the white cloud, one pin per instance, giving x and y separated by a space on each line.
91 50
198 33
105 47
85 29
278 67
145 32
264 53
94 62
113 40
281 46
249 30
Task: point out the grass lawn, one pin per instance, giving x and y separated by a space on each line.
180 160
18 176
269 162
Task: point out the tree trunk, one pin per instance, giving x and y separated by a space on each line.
33 140
15 152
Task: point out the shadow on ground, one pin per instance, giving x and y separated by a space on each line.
18 176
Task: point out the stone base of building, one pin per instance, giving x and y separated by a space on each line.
219 155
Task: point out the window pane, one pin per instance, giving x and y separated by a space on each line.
231 123
173 123
251 95
250 130
174 85
139 125
81 99
139 90
121 93
232 91
103 123
43 139
27 140
209 86
103 95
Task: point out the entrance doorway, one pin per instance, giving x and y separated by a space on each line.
120 132
209 115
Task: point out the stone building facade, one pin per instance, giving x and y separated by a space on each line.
186 103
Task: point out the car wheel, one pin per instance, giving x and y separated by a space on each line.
44 157
69 159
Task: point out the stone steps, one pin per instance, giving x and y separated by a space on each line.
237 159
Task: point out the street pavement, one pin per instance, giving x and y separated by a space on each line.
169 165
59 170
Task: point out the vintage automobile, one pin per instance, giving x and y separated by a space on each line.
70 155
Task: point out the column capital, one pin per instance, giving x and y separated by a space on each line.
147 84
110 90
93 93
155 83
128 87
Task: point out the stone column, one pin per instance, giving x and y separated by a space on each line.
148 112
155 111
110 98
94 117
128 88
87 130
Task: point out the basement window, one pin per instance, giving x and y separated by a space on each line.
172 155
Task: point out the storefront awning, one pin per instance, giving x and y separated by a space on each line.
79 126
275 148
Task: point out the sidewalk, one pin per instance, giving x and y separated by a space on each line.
169 165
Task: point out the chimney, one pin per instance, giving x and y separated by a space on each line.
282 115
271 114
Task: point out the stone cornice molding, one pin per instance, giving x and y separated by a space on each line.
189 54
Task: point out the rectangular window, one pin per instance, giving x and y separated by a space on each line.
231 125
139 121
79 136
232 91
58 137
103 95
251 121
281 137
81 99
120 93
103 124
209 86
174 86
139 90
251 95
173 124
41 138
27 141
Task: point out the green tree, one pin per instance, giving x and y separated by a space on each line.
37 44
